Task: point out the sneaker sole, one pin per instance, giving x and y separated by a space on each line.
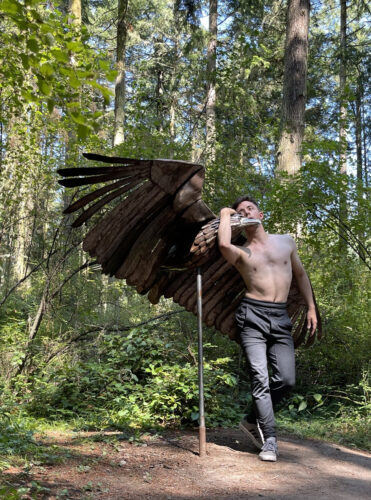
251 437
271 459
268 459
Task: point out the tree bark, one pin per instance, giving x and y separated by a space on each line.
343 119
365 149
294 87
172 119
358 128
74 9
211 77
160 83
120 86
342 84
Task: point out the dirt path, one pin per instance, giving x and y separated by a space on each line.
168 467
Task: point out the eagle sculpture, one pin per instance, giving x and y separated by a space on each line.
159 232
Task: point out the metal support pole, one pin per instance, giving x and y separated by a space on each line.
202 428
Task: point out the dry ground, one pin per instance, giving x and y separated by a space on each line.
168 467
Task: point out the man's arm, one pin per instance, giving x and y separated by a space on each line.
230 252
305 288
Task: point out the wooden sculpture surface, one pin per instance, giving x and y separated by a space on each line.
160 231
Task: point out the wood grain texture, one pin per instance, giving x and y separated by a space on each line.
160 231
170 175
189 192
85 200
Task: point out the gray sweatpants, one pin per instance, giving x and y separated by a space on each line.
265 333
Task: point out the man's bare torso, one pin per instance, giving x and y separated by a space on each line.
266 268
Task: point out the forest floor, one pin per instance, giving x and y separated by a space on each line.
109 466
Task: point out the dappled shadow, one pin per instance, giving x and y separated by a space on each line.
333 451
13 483
234 440
108 466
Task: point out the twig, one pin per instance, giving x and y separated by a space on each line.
101 327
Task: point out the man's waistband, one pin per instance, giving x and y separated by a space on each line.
264 303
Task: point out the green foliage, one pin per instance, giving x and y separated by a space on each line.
87 362
18 445
134 383
342 415
51 63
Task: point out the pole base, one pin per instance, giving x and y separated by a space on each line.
202 441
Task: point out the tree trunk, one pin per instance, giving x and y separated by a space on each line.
211 77
294 87
343 120
172 119
358 130
120 79
358 127
342 83
71 147
159 84
74 9
365 150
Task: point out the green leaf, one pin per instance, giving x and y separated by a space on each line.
83 131
317 397
50 105
11 7
66 71
44 87
31 3
302 406
74 82
106 93
75 46
25 61
73 105
33 45
60 55
46 28
36 16
46 69
28 96
111 75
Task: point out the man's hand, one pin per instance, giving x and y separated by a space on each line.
311 321
230 252
227 211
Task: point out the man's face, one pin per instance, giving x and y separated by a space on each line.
249 210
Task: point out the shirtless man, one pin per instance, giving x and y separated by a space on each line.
266 263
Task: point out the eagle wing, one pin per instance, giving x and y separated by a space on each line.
159 232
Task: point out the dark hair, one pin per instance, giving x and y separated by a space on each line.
244 198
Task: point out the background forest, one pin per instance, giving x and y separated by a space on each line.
223 83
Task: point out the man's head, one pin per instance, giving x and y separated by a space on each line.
248 207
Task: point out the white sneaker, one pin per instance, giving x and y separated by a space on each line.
269 451
253 432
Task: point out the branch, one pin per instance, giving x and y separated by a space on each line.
116 328
346 241
23 279
346 228
75 271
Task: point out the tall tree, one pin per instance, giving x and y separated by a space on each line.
342 85
343 119
74 9
211 82
120 79
294 87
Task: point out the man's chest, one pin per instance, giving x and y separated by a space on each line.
268 255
